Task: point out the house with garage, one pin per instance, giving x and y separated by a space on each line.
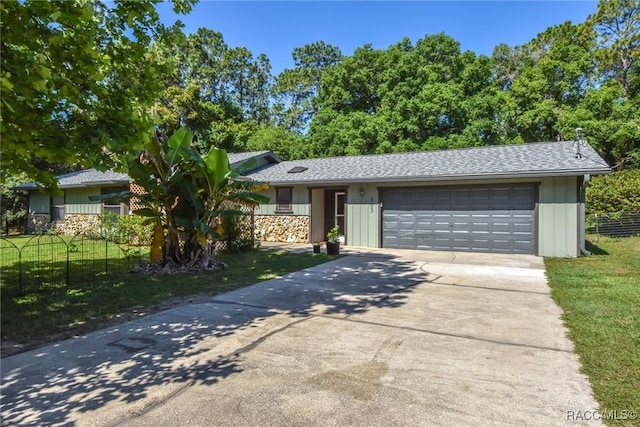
526 198
70 210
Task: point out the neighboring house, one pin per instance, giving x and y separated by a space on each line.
72 211
526 198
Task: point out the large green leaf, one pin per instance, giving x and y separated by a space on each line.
153 157
112 197
217 162
146 212
177 146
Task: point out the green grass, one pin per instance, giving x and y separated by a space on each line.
44 260
59 311
600 296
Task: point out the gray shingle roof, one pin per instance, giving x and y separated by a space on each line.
237 158
92 177
504 161
84 178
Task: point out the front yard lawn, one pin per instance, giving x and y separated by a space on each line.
600 296
64 311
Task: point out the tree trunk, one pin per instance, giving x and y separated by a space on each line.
172 250
157 243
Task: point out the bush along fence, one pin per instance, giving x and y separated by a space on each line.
621 224
38 263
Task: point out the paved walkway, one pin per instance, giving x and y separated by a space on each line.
376 338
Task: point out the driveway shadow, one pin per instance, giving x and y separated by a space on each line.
183 346
344 287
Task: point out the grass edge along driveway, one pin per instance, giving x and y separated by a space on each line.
65 311
600 297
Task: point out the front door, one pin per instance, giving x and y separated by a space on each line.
335 211
340 197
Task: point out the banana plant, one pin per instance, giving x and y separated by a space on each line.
186 195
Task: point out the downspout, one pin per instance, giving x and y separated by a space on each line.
582 214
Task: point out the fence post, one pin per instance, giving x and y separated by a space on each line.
52 261
67 269
106 253
20 271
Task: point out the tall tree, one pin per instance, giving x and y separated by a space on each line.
555 74
77 81
295 89
405 98
617 25
220 94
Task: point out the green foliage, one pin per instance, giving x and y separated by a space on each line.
295 89
219 93
430 95
617 28
286 145
613 193
77 82
551 80
237 236
80 79
185 197
13 205
407 98
600 300
333 235
129 229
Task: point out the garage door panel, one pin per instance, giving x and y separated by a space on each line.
527 229
493 219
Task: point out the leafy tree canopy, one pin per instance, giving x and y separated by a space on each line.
77 81
617 192
81 81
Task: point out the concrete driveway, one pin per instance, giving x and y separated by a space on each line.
375 338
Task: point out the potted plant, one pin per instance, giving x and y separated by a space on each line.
333 241
316 247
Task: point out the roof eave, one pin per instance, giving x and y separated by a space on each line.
109 182
405 179
87 184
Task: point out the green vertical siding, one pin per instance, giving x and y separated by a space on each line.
39 202
558 217
300 204
363 216
557 212
77 201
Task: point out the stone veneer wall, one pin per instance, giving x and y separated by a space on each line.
282 228
78 224
38 223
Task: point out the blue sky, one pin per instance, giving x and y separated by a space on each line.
277 27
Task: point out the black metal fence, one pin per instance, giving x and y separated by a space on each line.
35 263
621 224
